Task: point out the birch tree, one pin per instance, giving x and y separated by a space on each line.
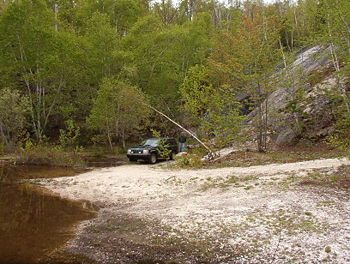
34 54
13 110
118 111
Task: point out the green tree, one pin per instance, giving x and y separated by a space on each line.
122 14
337 36
118 111
196 91
242 59
13 109
103 42
161 55
215 109
36 58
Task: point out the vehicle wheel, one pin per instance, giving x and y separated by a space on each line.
153 159
171 155
132 159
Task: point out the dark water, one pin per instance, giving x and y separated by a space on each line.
11 173
33 223
103 161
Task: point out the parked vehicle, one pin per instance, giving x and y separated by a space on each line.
153 149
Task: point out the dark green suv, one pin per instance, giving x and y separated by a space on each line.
153 149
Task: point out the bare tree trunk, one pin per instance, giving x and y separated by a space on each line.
117 121
336 65
211 153
261 130
56 15
109 139
3 136
340 84
266 123
123 139
283 56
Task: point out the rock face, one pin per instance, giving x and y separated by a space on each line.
286 137
300 105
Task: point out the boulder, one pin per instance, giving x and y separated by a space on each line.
286 137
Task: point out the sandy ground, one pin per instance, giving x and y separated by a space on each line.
258 214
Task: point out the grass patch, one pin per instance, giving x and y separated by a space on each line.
325 203
337 179
282 221
227 182
303 152
287 155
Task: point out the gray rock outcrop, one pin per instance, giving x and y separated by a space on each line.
300 104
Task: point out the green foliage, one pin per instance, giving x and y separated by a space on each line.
13 108
242 58
155 133
121 14
74 65
103 44
341 138
196 91
215 109
36 59
49 155
163 149
118 111
188 161
162 55
68 137
223 120
163 146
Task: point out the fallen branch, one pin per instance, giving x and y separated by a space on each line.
211 154
171 177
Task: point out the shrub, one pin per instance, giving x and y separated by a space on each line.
341 138
184 161
49 155
68 137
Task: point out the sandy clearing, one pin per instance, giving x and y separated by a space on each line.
262 216
132 182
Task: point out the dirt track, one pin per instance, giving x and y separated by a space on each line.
227 215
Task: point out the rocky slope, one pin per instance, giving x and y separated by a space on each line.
301 103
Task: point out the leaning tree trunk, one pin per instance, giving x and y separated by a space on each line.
211 154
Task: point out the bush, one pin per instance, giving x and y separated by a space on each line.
68 137
341 138
185 161
49 155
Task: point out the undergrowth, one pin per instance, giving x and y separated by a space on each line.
187 161
338 179
287 155
49 155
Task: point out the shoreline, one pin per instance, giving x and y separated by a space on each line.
236 215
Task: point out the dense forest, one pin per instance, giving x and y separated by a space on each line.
83 72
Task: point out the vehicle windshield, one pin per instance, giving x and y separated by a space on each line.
153 142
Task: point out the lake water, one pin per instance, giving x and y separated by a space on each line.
34 223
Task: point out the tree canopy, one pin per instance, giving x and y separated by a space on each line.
90 62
